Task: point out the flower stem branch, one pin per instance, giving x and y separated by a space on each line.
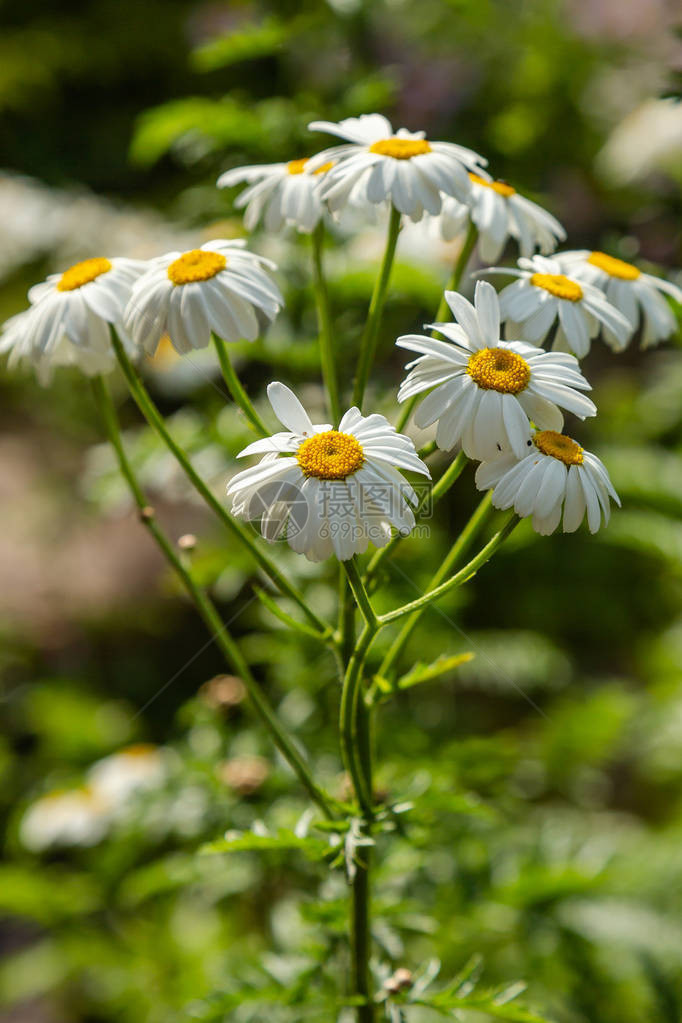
157 422
370 334
324 319
453 284
236 388
458 579
205 606
447 480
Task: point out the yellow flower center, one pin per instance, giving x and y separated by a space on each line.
614 267
298 166
558 445
197 265
497 369
400 149
138 749
82 273
330 455
501 187
558 285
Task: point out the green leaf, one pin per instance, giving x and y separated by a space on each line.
248 42
427 672
313 848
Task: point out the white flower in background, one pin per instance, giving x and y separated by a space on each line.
64 817
556 474
115 778
544 293
281 193
68 320
329 491
377 164
219 287
629 289
499 213
485 390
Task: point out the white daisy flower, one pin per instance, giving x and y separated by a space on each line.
633 292
485 390
330 491
556 474
377 164
116 778
68 320
499 213
64 817
219 287
544 293
281 193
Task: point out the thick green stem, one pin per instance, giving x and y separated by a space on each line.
370 334
157 422
324 319
453 284
360 593
458 579
218 630
361 939
236 389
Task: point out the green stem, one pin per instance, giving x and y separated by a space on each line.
458 579
453 284
236 389
360 593
370 334
361 936
157 422
447 480
324 319
461 544
350 696
205 606
458 270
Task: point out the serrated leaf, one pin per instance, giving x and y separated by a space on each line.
313 848
427 672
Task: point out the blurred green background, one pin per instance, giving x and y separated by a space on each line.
545 775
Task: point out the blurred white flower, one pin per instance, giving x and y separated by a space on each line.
499 213
629 289
219 287
334 491
648 139
281 193
69 317
556 474
377 164
544 293
486 390
115 778
64 817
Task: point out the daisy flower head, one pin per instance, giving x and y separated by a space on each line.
281 194
377 164
68 321
556 474
544 294
635 293
485 390
328 491
500 213
64 817
220 288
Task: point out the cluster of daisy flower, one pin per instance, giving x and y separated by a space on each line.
83 815
493 391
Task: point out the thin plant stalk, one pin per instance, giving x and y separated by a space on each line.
156 421
236 388
370 334
324 319
463 257
205 606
